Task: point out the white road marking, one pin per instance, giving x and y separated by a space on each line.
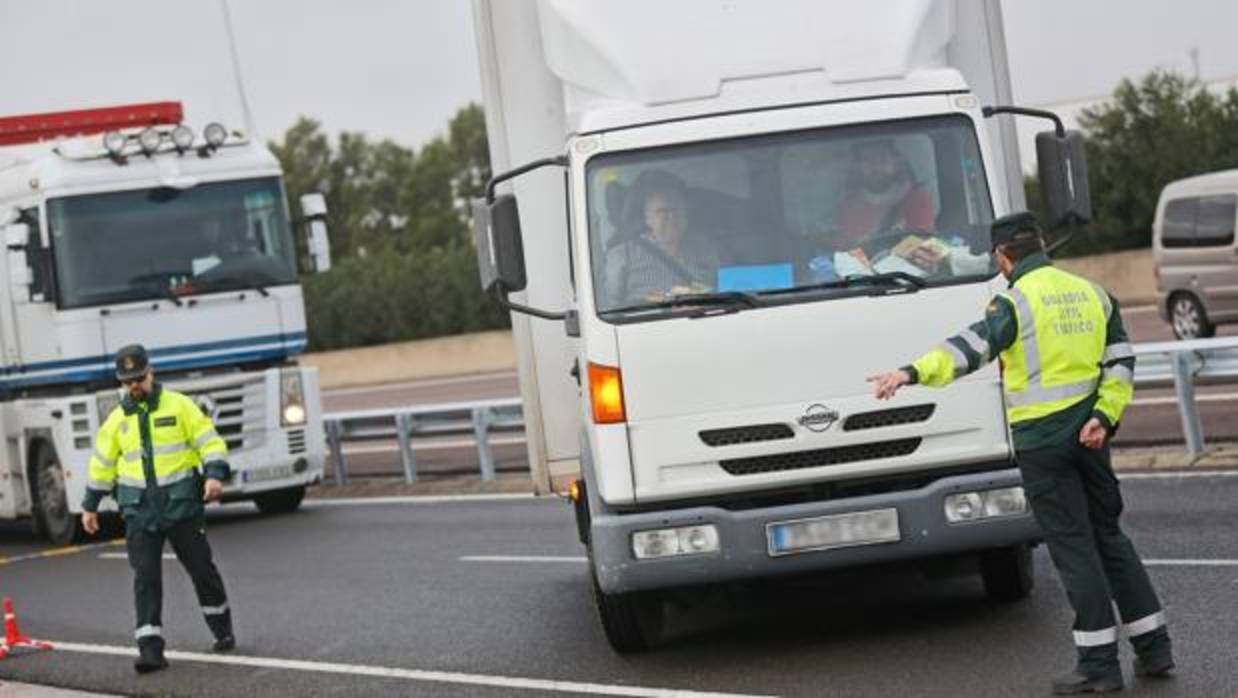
420 499
450 677
1191 563
523 558
1141 309
426 383
125 556
1176 474
1171 400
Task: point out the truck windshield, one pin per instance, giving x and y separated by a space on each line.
162 242
790 217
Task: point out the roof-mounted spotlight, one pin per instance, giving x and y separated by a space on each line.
149 140
114 143
182 138
215 134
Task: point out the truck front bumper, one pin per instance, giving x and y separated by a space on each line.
744 551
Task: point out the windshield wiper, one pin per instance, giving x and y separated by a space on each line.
239 283
731 300
893 279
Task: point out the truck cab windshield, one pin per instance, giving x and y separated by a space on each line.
159 243
792 217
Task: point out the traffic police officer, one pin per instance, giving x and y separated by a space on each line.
148 453
1067 370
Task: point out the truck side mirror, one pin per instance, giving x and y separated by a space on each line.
499 245
314 211
1063 170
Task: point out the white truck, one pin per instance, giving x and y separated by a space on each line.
124 225
720 428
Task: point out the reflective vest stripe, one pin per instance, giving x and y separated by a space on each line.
105 461
1120 372
1103 296
175 477
956 354
1117 352
1096 638
976 343
201 440
170 448
134 456
99 485
131 482
1037 394
1027 335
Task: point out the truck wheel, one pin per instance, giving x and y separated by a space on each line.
1008 573
280 501
51 506
633 621
1189 320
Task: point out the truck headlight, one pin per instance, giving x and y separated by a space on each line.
989 504
670 542
291 398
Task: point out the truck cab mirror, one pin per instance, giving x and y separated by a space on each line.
499 245
314 212
1063 170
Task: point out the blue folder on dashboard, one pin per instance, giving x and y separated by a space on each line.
756 277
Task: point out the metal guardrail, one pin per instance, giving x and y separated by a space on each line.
402 424
1182 365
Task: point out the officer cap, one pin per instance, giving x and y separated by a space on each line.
1015 227
131 362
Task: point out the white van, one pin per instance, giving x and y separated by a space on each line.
1195 254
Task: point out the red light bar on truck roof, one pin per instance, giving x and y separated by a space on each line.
33 128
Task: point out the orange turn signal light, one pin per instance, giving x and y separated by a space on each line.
606 394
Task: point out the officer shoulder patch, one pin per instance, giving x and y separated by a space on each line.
169 421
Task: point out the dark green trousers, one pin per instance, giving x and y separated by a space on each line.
1076 499
188 541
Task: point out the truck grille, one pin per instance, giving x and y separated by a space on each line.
889 418
822 456
296 441
746 435
236 404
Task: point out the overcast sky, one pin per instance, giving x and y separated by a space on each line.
400 68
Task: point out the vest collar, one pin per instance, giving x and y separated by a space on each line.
1029 264
130 406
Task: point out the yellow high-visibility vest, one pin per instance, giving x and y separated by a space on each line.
1056 360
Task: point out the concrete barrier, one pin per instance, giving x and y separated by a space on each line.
1128 275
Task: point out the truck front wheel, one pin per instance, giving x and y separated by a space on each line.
633 621
52 517
280 501
1008 573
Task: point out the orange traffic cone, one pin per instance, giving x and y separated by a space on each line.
13 637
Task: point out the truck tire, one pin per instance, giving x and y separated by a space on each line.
52 517
633 621
1008 573
282 501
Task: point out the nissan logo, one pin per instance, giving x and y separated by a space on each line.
818 418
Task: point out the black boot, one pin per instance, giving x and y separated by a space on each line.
221 627
1154 667
150 658
225 643
1075 683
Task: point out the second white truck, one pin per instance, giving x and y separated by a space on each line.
714 221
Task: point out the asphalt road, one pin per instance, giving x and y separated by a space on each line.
375 599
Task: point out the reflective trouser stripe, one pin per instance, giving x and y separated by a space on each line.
1122 373
131 482
977 344
1114 352
99 485
1146 624
214 610
148 631
201 440
1037 395
1096 638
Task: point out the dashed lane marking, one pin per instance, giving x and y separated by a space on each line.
423 675
1191 563
523 558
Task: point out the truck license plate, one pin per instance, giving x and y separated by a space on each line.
836 531
278 472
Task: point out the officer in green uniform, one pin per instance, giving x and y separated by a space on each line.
1067 370
148 454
